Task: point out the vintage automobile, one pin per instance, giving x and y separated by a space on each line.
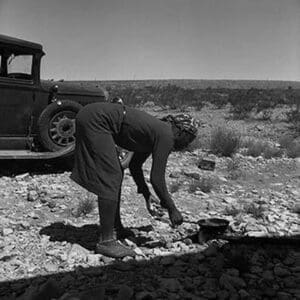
37 117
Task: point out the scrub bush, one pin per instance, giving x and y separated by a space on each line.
257 148
257 211
291 146
286 140
293 150
272 151
85 206
224 141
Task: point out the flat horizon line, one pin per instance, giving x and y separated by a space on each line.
184 79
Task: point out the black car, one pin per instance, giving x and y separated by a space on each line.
37 116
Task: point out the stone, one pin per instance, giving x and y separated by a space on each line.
77 253
149 104
49 290
281 272
175 174
170 284
144 296
93 259
256 233
107 260
32 195
97 293
290 282
222 295
284 296
269 291
193 175
50 267
229 200
125 293
167 260
51 203
206 164
244 295
225 281
22 176
209 294
268 275
33 215
7 231
138 251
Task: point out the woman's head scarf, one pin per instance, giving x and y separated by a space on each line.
183 122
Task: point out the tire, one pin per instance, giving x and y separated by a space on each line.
56 125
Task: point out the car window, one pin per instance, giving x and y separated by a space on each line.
19 67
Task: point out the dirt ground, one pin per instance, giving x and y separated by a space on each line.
47 249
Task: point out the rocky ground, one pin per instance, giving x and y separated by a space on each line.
46 248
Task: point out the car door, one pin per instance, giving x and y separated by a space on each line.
17 92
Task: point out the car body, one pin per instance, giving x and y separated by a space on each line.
36 116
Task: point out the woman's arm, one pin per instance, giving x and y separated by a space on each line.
135 167
160 157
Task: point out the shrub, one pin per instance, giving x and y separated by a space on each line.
205 184
195 144
293 150
224 141
286 140
272 151
243 102
85 206
253 209
255 148
293 116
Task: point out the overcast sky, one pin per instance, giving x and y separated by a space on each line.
160 39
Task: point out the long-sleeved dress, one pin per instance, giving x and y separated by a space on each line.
99 126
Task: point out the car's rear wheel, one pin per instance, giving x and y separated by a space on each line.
56 125
56 128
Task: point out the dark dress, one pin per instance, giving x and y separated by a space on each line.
99 126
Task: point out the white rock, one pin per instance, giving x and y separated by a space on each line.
32 195
7 231
78 253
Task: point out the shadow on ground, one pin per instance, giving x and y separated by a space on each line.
86 235
233 271
16 167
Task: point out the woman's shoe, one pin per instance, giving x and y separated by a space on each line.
114 248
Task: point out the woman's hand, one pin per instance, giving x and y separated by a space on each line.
153 206
175 217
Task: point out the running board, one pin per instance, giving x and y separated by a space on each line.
27 154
